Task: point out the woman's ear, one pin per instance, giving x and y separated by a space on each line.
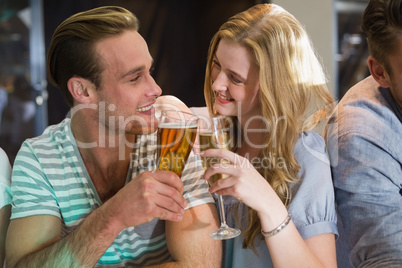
378 72
78 90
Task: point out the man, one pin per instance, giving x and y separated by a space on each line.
76 202
364 139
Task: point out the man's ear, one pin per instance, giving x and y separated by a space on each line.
78 90
378 72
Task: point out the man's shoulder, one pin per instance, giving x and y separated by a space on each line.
54 140
363 109
53 132
365 94
364 120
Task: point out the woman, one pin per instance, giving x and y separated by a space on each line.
263 71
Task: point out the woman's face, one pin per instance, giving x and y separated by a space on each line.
235 81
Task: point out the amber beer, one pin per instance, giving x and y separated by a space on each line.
175 143
214 141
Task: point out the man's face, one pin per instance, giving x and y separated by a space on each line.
127 91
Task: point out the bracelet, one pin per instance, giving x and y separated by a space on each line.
279 228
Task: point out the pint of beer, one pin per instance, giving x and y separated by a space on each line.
177 132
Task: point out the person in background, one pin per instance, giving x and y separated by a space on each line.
3 96
364 140
23 110
262 70
76 202
5 201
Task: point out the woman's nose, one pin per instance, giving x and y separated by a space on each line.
220 83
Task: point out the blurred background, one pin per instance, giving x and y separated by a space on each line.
178 33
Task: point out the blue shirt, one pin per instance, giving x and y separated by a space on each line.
312 206
364 139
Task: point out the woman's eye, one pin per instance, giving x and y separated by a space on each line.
236 80
216 64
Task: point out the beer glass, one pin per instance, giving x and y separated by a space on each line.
215 133
177 132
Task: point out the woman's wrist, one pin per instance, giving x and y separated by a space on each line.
278 229
273 216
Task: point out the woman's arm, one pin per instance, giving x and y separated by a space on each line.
287 248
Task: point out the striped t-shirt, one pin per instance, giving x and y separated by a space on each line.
50 178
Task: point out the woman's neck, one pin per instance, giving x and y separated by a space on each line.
252 140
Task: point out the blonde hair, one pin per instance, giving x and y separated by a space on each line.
291 82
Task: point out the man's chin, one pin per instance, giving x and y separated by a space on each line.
139 125
142 130
149 130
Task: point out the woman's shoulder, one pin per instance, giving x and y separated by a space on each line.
314 163
169 102
310 146
312 205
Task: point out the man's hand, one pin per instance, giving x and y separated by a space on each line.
150 195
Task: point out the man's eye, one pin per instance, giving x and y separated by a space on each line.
135 79
151 70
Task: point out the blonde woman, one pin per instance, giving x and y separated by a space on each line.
263 71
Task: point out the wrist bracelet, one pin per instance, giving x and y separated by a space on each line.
279 228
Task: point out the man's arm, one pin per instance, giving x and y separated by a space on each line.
35 241
367 182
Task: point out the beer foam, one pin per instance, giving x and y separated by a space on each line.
176 125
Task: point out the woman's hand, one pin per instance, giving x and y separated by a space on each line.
246 184
243 182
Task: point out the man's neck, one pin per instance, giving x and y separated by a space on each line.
106 156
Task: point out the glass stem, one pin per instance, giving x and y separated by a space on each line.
222 211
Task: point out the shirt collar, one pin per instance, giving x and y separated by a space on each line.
385 92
